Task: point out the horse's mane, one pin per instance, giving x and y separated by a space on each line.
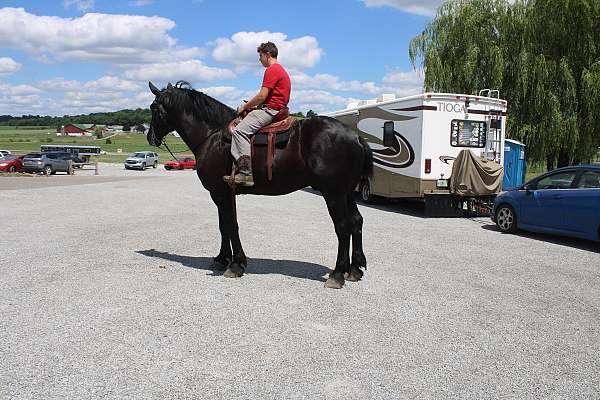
201 105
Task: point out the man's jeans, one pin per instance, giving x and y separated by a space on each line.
256 119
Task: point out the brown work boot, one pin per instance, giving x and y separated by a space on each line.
243 174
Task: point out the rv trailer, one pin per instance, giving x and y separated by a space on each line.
416 139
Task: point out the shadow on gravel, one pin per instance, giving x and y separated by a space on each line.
399 206
296 269
580 244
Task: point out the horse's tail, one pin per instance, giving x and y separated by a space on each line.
367 169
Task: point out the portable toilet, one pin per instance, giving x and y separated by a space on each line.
514 164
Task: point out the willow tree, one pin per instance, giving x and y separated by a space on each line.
543 56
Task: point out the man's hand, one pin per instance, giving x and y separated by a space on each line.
241 108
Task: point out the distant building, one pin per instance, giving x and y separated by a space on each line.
114 128
78 129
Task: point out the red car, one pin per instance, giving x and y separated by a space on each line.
183 163
11 163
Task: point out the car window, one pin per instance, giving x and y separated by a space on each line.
560 180
139 155
589 179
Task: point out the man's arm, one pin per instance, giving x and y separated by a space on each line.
256 100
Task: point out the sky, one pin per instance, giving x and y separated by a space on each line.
67 57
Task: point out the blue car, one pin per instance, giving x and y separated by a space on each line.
565 201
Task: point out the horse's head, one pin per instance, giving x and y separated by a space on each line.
161 123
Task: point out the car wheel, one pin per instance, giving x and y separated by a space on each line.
155 164
12 169
506 219
143 166
48 170
365 192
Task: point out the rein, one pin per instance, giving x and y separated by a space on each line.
164 142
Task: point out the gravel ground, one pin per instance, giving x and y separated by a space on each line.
98 302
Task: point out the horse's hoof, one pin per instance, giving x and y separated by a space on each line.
234 271
334 283
354 275
219 266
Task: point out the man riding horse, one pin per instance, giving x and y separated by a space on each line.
273 96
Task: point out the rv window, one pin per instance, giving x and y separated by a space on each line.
464 133
388 134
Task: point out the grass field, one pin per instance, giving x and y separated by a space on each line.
22 140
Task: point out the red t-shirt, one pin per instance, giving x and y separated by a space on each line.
278 80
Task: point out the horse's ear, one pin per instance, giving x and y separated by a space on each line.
154 89
169 86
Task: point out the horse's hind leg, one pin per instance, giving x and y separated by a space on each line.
358 256
338 210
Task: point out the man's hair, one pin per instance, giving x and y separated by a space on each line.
268 47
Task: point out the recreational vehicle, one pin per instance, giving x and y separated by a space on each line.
415 141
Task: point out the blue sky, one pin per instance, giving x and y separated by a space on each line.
79 56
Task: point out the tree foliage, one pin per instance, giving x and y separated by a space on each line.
543 55
122 117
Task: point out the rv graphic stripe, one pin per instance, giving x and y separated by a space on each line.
417 108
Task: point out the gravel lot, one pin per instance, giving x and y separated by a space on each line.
106 291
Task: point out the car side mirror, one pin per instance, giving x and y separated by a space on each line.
529 188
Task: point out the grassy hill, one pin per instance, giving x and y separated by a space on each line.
21 140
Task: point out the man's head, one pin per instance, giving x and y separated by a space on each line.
267 53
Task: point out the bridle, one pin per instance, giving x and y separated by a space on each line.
163 142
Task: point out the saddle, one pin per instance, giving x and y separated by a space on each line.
276 134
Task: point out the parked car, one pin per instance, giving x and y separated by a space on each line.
48 163
181 163
565 201
142 160
4 153
11 163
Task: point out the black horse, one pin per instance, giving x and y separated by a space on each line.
321 152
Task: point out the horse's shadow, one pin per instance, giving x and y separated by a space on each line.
296 269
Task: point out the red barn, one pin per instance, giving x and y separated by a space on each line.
78 129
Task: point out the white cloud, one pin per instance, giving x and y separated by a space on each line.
81 5
240 49
426 8
122 39
18 90
403 83
104 84
191 70
140 3
317 100
301 81
226 94
420 7
8 66
20 99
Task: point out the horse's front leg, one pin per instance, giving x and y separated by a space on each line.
223 259
239 262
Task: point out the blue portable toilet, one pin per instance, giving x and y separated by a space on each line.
514 164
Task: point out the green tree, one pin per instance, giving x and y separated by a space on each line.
543 56
311 114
